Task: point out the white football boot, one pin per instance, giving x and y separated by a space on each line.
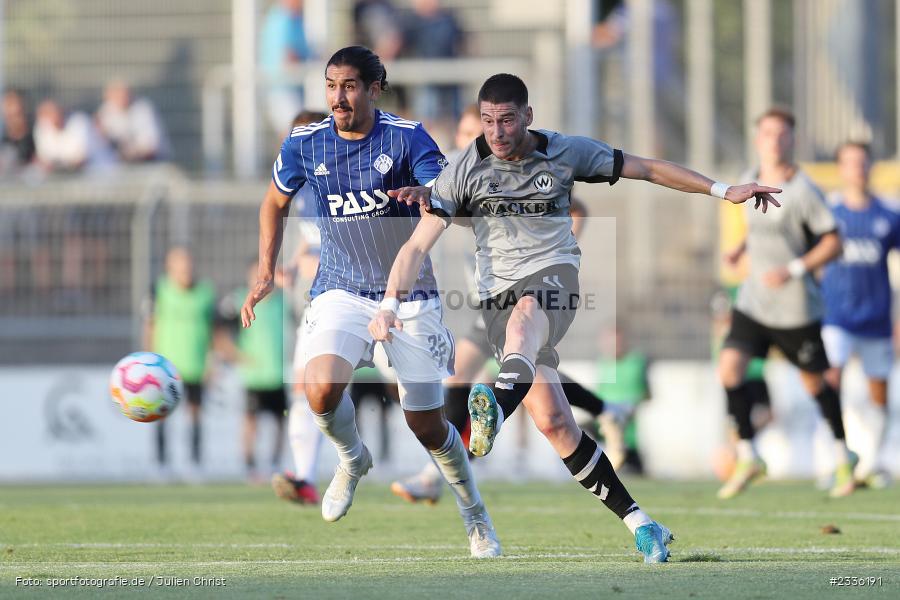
339 496
483 542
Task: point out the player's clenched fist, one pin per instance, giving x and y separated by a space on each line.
262 289
419 194
381 324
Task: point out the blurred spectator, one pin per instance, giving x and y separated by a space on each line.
622 379
433 32
259 356
282 44
17 146
68 144
19 226
611 36
375 26
131 125
180 327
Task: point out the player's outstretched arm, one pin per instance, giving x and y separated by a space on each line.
680 178
275 207
403 275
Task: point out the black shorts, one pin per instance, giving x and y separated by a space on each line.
801 345
478 335
193 393
378 390
272 401
557 291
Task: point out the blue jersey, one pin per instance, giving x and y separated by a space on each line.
855 287
361 227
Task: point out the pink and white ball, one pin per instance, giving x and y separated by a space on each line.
146 386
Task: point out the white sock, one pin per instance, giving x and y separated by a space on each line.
452 460
339 426
841 453
305 438
636 519
500 418
881 436
745 451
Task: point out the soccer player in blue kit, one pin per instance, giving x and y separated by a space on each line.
352 159
857 291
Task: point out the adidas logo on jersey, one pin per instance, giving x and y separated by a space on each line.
321 170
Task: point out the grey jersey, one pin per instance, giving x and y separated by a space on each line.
520 209
773 240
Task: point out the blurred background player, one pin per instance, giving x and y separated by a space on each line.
180 327
367 152
725 457
779 304
259 357
304 436
857 291
621 381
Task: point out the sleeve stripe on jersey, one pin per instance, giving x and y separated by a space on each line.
310 131
431 183
280 185
397 119
395 124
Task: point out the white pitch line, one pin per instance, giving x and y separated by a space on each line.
312 561
742 512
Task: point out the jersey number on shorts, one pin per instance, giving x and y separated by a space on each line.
439 347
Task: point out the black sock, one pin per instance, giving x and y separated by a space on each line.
195 442
513 382
593 471
739 408
830 403
456 406
160 444
579 396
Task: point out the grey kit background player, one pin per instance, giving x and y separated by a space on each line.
780 304
516 183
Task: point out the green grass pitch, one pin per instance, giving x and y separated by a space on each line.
558 540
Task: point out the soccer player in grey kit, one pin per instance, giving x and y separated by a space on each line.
516 183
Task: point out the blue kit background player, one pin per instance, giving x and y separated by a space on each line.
857 291
352 159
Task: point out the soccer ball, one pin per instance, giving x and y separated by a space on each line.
145 386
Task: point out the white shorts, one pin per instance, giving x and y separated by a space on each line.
337 322
876 354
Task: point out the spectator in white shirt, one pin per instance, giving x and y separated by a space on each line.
131 125
68 144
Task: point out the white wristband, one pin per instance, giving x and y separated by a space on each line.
796 268
390 304
719 189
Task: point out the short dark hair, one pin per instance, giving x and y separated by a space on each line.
779 112
363 60
503 87
305 117
864 146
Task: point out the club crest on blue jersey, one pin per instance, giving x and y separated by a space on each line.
383 164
